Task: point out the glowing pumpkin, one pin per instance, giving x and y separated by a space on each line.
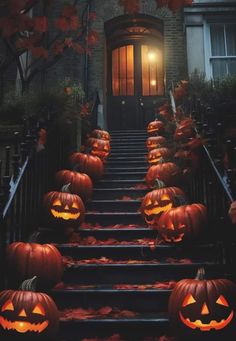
155 128
80 183
199 305
25 260
183 223
158 201
154 142
89 164
100 148
28 315
64 208
167 172
100 134
157 155
185 130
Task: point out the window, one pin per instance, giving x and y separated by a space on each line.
123 71
223 49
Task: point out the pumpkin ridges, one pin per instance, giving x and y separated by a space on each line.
89 164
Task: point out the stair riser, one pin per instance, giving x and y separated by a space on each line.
131 331
140 301
119 234
114 206
139 253
132 274
118 194
119 184
128 158
129 140
114 219
127 163
123 176
126 170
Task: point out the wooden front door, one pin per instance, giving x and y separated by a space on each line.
135 80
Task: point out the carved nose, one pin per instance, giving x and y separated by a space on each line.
67 207
205 310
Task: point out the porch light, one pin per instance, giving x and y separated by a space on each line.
153 82
152 56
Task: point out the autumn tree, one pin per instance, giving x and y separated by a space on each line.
35 39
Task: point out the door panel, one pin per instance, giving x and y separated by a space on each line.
136 81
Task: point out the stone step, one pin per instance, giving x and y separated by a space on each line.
118 233
118 193
128 163
132 329
116 273
125 169
121 184
124 175
114 218
113 206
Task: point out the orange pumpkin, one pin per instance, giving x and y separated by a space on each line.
155 128
100 148
157 155
182 224
89 164
100 134
80 183
158 201
154 142
167 172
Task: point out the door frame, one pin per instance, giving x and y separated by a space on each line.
117 35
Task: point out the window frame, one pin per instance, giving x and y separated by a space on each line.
208 48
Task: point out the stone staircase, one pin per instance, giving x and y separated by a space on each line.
114 214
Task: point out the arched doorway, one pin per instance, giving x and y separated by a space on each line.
135 76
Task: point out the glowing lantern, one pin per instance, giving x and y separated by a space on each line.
183 223
198 306
28 315
158 201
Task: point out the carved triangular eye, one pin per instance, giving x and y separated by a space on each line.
222 301
57 202
75 205
22 313
148 202
165 197
95 145
188 300
8 306
39 310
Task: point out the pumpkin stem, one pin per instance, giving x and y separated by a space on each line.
66 188
200 274
159 184
29 284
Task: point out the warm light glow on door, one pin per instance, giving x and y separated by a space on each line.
152 74
123 71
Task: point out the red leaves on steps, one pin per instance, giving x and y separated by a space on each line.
69 261
157 285
97 226
90 240
118 337
84 314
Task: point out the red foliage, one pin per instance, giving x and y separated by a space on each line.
93 37
75 238
84 314
174 5
130 6
40 24
69 261
156 285
97 226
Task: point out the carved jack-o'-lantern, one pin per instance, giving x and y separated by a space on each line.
157 155
154 142
185 130
27 315
155 128
158 201
100 148
64 208
183 223
200 305
100 134
167 172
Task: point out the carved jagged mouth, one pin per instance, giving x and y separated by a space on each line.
154 160
158 209
174 239
152 130
65 215
22 326
213 324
